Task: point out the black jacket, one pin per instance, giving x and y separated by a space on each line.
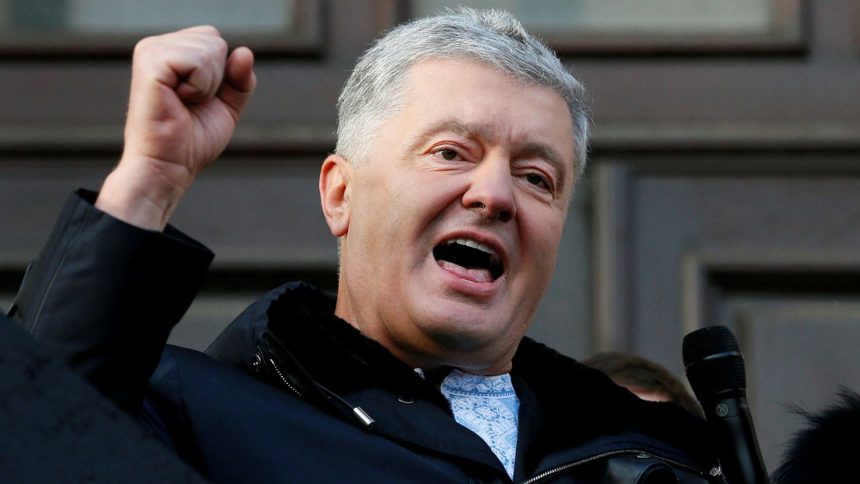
323 403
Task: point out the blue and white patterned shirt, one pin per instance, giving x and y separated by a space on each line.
488 406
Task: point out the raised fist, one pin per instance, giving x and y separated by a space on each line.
186 98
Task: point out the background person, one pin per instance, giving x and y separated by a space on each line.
645 378
822 451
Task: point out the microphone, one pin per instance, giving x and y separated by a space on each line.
715 369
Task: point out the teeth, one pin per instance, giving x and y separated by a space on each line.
473 244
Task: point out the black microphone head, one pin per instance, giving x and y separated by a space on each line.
707 341
714 364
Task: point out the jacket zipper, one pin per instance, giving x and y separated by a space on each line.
569 465
258 363
357 412
283 378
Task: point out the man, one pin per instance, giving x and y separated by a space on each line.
459 141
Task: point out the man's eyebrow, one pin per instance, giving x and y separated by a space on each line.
457 127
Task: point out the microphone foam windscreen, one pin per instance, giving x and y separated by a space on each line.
713 362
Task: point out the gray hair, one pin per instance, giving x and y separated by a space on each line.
375 88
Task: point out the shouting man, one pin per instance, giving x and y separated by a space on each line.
460 139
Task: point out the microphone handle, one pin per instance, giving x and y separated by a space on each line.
738 450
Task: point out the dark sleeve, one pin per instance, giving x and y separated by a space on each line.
104 295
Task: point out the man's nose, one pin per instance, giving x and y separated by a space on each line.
491 190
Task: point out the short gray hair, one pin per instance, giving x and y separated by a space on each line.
375 88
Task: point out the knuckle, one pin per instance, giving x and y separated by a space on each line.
220 47
209 29
143 45
207 60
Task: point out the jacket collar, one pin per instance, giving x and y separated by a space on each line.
316 349
580 403
301 320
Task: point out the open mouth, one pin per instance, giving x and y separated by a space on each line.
474 258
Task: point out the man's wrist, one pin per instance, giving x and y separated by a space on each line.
144 200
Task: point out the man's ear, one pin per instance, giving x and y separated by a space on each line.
335 177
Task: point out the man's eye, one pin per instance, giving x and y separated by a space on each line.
447 154
538 180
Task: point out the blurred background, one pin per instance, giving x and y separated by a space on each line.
723 187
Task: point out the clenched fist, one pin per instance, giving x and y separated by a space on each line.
186 98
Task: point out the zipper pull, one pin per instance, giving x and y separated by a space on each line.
364 418
257 361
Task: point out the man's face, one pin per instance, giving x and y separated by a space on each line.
455 216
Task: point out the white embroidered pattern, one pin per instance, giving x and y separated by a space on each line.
488 406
